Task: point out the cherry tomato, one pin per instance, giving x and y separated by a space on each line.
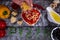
2 24
2 33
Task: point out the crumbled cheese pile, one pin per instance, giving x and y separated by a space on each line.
25 6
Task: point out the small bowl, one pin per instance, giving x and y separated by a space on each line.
52 33
49 16
36 20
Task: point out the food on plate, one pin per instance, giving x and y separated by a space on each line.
31 16
55 16
13 19
14 13
2 24
4 12
2 33
20 22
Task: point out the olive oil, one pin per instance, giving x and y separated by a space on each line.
55 16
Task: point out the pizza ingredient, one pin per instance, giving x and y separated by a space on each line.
25 6
2 24
20 22
13 19
2 33
14 13
12 30
20 31
4 12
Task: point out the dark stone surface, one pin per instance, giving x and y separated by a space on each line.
43 24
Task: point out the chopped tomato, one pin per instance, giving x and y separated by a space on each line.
2 24
2 33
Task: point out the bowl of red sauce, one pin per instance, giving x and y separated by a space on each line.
31 17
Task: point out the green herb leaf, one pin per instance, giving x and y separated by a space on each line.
12 30
37 30
20 31
29 32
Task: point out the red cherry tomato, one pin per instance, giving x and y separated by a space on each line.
2 24
2 33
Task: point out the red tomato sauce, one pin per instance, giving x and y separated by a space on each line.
30 13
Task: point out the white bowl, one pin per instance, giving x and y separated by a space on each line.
49 9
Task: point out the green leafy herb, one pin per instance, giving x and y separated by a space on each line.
12 30
20 31
29 32
37 30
